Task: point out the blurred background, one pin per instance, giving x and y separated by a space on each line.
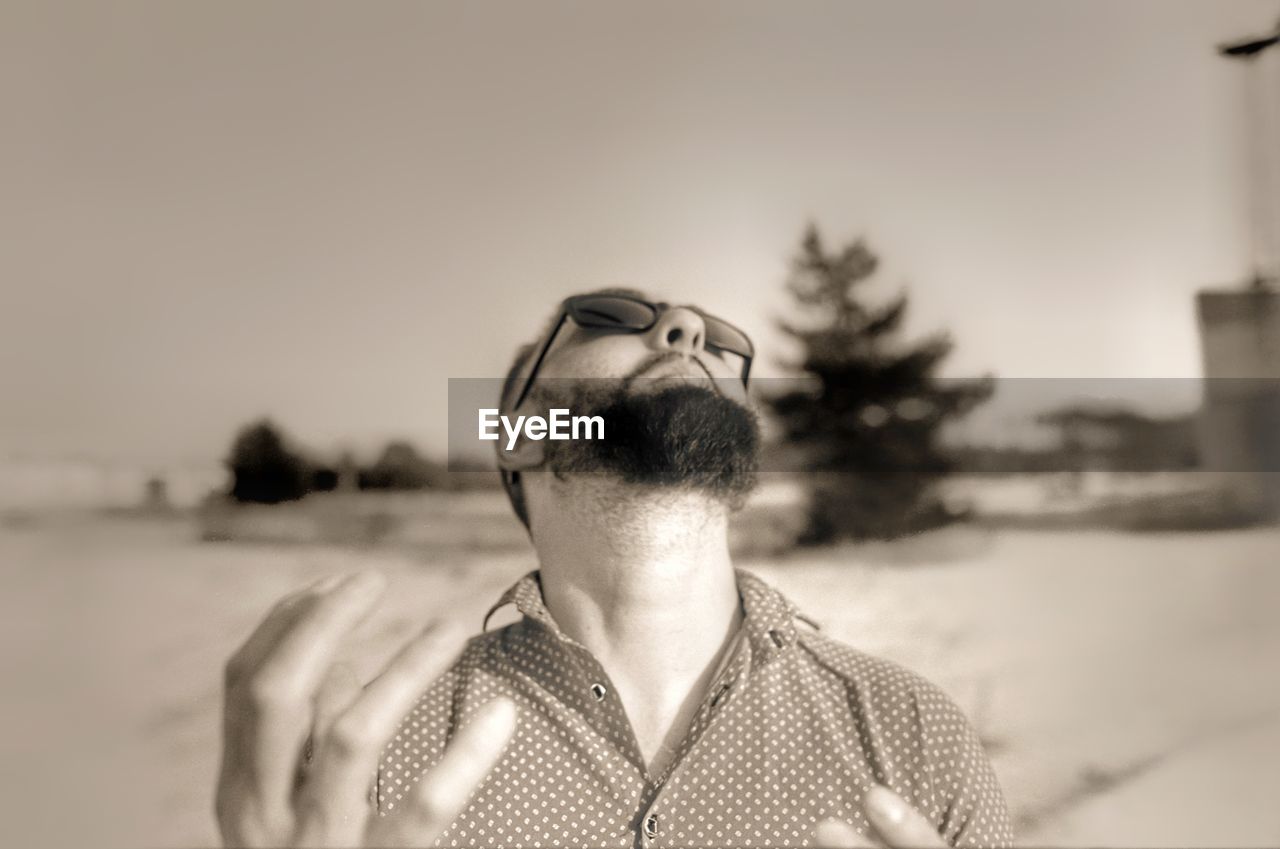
1011 270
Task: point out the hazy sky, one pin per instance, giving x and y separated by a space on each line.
217 210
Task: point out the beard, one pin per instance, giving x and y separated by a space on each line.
683 436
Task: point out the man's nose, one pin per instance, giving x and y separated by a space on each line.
679 329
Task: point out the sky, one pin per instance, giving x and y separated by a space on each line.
322 212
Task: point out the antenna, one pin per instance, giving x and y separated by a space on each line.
1262 83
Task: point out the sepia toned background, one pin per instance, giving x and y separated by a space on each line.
319 214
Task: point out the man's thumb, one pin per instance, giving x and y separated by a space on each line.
837 834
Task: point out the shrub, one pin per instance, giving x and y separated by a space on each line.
264 469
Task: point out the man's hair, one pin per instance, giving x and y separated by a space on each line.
511 480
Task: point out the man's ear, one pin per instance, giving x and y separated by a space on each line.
525 454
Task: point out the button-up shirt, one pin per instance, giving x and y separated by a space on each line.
793 730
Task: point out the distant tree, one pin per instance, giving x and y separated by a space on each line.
348 472
1119 438
867 426
156 498
400 466
323 479
264 469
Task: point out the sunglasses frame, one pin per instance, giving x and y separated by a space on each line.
569 307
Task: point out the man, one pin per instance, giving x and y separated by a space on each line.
650 696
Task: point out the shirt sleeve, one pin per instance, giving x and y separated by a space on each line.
973 812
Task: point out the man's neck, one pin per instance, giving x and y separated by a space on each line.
645 583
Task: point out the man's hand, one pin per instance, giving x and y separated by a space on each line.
896 823
301 738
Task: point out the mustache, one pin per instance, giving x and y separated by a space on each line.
658 360
598 392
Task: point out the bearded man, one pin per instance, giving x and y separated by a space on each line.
651 695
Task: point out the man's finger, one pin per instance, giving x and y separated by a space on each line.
838 834
339 691
269 710
347 753
444 791
898 824
278 619
237 798
301 658
378 710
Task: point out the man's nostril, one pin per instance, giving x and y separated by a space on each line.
673 335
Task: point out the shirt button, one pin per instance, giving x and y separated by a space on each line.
599 691
651 826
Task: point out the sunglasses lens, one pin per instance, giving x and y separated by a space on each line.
721 334
608 311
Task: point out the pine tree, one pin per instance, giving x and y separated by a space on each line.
866 424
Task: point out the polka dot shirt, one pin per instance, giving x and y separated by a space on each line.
794 730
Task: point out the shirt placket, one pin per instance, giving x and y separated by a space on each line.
767 635
592 694
655 805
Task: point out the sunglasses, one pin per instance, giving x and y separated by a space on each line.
636 315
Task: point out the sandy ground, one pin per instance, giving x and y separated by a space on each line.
1124 685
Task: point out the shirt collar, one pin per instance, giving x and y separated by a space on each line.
526 595
769 617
